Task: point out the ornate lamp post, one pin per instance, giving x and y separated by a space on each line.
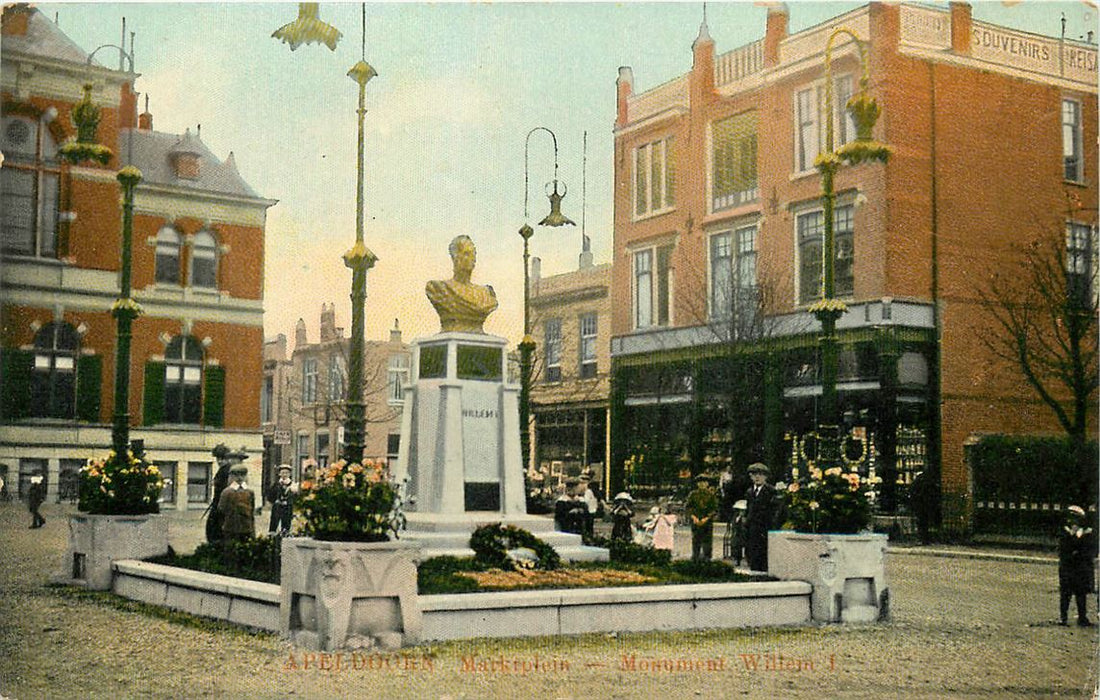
865 112
527 345
85 147
308 29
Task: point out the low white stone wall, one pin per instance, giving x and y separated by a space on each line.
623 609
499 614
236 600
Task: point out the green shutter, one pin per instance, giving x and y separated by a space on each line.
154 392
89 386
16 367
214 396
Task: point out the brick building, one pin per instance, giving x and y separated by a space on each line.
571 321
197 272
304 396
718 240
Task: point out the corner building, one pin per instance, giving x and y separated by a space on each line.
197 272
718 243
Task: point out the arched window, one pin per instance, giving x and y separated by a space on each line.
168 255
53 386
204 260
28 187
183 380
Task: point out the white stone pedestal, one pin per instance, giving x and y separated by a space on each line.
847 572
96 541
349 595
460 451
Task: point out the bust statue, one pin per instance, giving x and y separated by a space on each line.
461 304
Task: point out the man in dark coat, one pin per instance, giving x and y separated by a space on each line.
222 454
760 512
281 496
702 506
1076 552
36 496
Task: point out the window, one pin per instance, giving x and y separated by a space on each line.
652 286
733 274
168 256
654 178
811 233
1071 140
303 450
734 157
28 188
53 387
267 392
183 380
553 350
204 260
1081 264
322 449
588 327
810 132
168 474
393 447
309 380
337 379
198 482
397 376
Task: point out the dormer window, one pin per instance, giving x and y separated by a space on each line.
187 166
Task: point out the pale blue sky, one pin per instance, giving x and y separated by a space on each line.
459 87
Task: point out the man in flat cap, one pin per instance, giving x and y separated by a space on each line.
760 511
702 506
1076 554
281 495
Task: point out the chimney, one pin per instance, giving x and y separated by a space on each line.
300 340
145 119
536 269
395 333
127 107
961 25
185 157
328 323
624 88
585 260
15 19
777 31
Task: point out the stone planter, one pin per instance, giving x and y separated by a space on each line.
96 541
349 595
847 572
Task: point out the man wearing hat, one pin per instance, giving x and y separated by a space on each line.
237 506
760 510
1076 552
281 496
702 506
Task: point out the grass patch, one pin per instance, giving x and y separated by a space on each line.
255 559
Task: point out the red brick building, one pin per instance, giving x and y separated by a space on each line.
197 272
718 239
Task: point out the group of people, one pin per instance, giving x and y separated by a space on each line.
580 502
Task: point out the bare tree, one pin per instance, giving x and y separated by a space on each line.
1043 306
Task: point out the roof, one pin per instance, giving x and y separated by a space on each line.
153 152
44 38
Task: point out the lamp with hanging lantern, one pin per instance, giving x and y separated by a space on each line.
527 345
865 112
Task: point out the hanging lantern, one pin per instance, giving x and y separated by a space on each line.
307 29
555 217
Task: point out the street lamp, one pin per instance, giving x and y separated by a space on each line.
308 29
85 147
527 345
865 112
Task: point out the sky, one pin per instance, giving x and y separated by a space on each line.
460 86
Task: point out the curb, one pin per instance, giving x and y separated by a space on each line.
964 554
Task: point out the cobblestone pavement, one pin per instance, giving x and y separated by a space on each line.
961 628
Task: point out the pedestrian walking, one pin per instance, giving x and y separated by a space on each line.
36 496
664 530
622 514
760 510
1076 554
702 506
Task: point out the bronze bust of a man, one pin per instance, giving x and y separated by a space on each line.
461 304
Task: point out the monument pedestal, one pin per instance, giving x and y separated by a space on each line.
460 452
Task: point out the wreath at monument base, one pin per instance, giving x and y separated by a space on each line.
492 544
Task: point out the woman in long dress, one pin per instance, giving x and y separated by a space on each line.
664 530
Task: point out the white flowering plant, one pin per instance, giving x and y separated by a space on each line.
350 502
832 501
129 485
